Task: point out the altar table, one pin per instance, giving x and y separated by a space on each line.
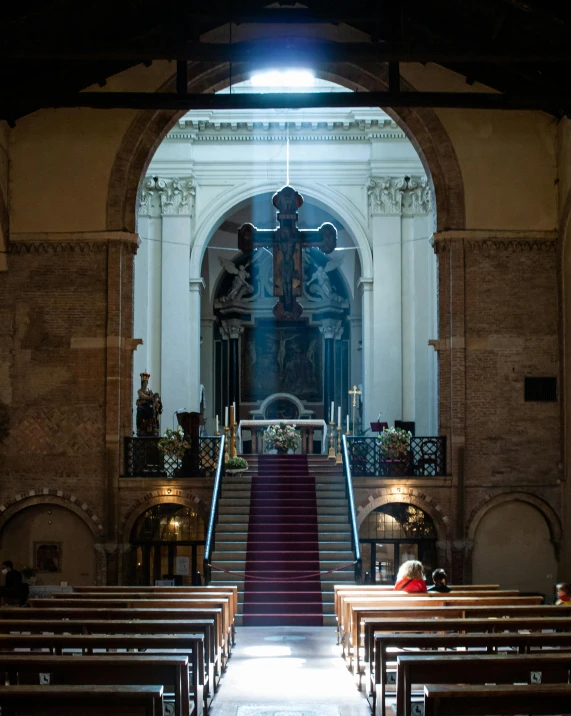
306 427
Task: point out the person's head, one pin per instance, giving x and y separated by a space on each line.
439 576
412 569
563 590
7 566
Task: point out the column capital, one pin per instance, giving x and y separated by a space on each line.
231 329
167 196
366 284
331 329
399 195
196 284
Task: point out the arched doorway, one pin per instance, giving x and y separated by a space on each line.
168 544
392 534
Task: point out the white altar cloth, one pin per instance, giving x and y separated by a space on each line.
248 424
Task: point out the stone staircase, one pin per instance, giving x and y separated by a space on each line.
334 536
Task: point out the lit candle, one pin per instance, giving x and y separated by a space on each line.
234 408
332 412
347 424
226 417
339 417
217 424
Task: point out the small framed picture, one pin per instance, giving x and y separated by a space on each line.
47 556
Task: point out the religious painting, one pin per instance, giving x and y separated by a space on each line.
281 358
47 556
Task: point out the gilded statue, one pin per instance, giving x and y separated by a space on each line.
149 409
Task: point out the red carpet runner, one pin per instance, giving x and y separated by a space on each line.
282 544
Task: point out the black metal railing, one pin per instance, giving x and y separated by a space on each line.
426 457
144 459
355 544
213 518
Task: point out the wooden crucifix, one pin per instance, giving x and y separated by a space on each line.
287 242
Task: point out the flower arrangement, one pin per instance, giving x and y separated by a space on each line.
236 463
394 443
28 572
174 443
281 437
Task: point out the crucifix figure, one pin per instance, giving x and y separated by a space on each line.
287 242
355 392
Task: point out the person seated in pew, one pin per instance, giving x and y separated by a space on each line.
563 594
439 577
15 590
410 578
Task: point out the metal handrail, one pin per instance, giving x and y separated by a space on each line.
355 544
213 514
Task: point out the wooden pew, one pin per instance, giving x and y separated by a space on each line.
90 701
466 625
110 590
376 619
222 602
551 668
524 643
351 616
142 669
79 613
366 589
107 626
190 645
468 700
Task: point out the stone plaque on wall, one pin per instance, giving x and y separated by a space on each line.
278 358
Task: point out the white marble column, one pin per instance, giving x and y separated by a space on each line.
207 370
196 286
366 286
385 395
176 198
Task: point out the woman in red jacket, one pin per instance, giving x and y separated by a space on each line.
410 578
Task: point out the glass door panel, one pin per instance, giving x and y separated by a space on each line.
384 563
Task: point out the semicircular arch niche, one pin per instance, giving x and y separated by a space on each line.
513 548
392 534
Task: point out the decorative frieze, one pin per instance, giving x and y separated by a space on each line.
400 195
76 242
167 197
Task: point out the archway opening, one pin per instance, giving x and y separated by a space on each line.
393 534
355 168
168 546
44 540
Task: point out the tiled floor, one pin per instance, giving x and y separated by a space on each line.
288 671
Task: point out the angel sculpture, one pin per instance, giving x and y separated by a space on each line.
240 286
322 287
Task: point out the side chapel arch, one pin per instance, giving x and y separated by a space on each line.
421 125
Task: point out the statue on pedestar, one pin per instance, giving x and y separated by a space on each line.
149 409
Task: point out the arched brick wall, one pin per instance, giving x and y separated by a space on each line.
421 125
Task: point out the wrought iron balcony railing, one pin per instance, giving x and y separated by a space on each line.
426 458
144 459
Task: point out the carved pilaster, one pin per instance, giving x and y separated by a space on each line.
331 329
167 197
231 329
400 195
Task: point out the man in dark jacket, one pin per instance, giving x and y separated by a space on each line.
15 591
439 578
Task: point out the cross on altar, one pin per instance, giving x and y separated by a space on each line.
355 392
287 242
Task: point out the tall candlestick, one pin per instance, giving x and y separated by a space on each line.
234 406
217 431
339 416
225 416
347 425
332 412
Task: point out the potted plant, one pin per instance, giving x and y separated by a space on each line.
174 444
282 438
394 443
235 466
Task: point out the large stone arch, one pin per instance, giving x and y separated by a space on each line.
160 497
51 497
490 502
226 204
410 495
421 125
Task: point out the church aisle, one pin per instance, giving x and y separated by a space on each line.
288 669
